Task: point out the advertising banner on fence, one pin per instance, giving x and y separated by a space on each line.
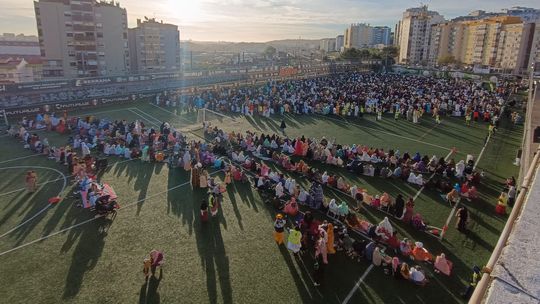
31 110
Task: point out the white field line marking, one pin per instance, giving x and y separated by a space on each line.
429 131
422 188
94 218
18 158
144 118
387 133
48 204
185 119
60 178
153 118
150 118
453 211
357 285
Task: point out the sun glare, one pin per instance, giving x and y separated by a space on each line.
185 10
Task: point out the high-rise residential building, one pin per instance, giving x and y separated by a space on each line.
112 39
415 34
340 39
446 42
381 35
19 45
82 38
534 54
358 35
154 46
502 42
328 44
397 31
499 42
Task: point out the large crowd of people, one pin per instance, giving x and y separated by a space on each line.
356 94
312 221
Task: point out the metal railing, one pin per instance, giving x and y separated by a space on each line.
482 286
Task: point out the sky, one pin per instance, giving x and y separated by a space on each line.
262 20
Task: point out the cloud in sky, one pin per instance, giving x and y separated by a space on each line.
262 20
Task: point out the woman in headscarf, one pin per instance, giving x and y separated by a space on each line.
460 167
203 179
420 253
294 243
144 157
384 230
442 264
31 181
186 159
412 178
279 190
409 210
343 209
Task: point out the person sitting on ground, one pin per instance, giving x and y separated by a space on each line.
343 209
386 201
420 253
404 271
405 247
291 208
453 196
442 265
370 248
333 207
279 190
502 202
376 202
418 223
418 277
384 230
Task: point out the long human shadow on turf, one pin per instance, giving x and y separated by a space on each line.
85 255
149 290
178 203
214 259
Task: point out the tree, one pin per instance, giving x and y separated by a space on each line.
270 52
351 54
390 51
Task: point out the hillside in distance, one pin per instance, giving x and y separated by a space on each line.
251 47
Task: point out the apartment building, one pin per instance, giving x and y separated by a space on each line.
340 40
414 38
82 38
328 44
154 46
358 35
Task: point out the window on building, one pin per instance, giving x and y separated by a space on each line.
100 35
69 34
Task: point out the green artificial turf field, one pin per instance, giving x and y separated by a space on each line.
61 254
